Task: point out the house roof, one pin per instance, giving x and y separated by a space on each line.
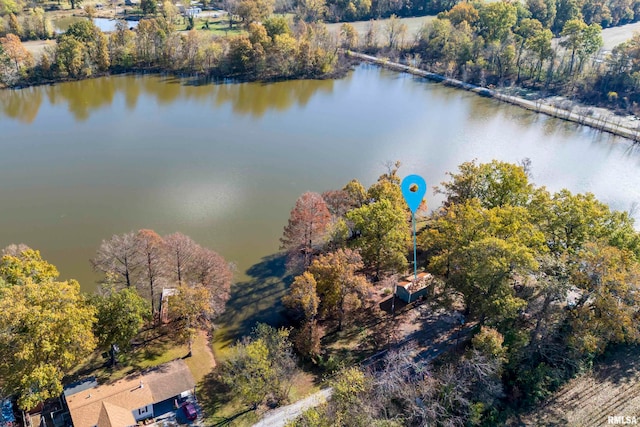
112 415
411 285
79 386
130 393
169 380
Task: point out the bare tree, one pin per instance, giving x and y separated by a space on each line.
180 252
118 258
150 247
15 250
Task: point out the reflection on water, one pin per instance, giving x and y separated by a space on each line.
87 96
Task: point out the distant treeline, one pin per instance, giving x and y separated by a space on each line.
270 50
501 44
552 13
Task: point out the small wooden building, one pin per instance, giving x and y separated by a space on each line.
409 289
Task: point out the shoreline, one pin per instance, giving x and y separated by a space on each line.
582 115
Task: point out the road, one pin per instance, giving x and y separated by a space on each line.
281 416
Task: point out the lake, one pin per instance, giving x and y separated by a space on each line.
224 163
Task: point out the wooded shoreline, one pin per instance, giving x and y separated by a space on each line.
602 124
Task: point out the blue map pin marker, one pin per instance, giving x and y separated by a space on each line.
413 189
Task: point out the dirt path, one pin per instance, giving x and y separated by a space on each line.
207 347
281 416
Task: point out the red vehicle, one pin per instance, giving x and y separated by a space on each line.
189 411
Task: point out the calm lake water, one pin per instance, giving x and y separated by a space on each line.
224 163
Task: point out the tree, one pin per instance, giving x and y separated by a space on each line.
493 184
248 372
150 247
15 27
311 10
337 281
527 29
118 259
307 225
302 297
20 264
70 56
47 330
260 366
192 310
396 31
16 52
573 32
276 25
255 10
543 10
348 36
181 253
461 12
75 3
210 270
382 236
606 310
231 7
496 20
10 7
149 7
120 316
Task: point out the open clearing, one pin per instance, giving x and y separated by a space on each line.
613 389
616 35
413 25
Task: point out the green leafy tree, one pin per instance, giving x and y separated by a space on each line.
543 10
493 184
383 236
276 25
149 7
120 316
496 20
260 366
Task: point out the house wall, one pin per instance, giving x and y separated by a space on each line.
403 294
407 296
142 413
414 296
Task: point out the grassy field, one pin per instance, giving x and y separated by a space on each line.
413 26
613 389
616 35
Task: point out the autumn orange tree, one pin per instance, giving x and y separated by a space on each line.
307 227
14 53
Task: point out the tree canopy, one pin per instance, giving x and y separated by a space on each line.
47 328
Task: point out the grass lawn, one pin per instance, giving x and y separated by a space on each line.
157 346
217 26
